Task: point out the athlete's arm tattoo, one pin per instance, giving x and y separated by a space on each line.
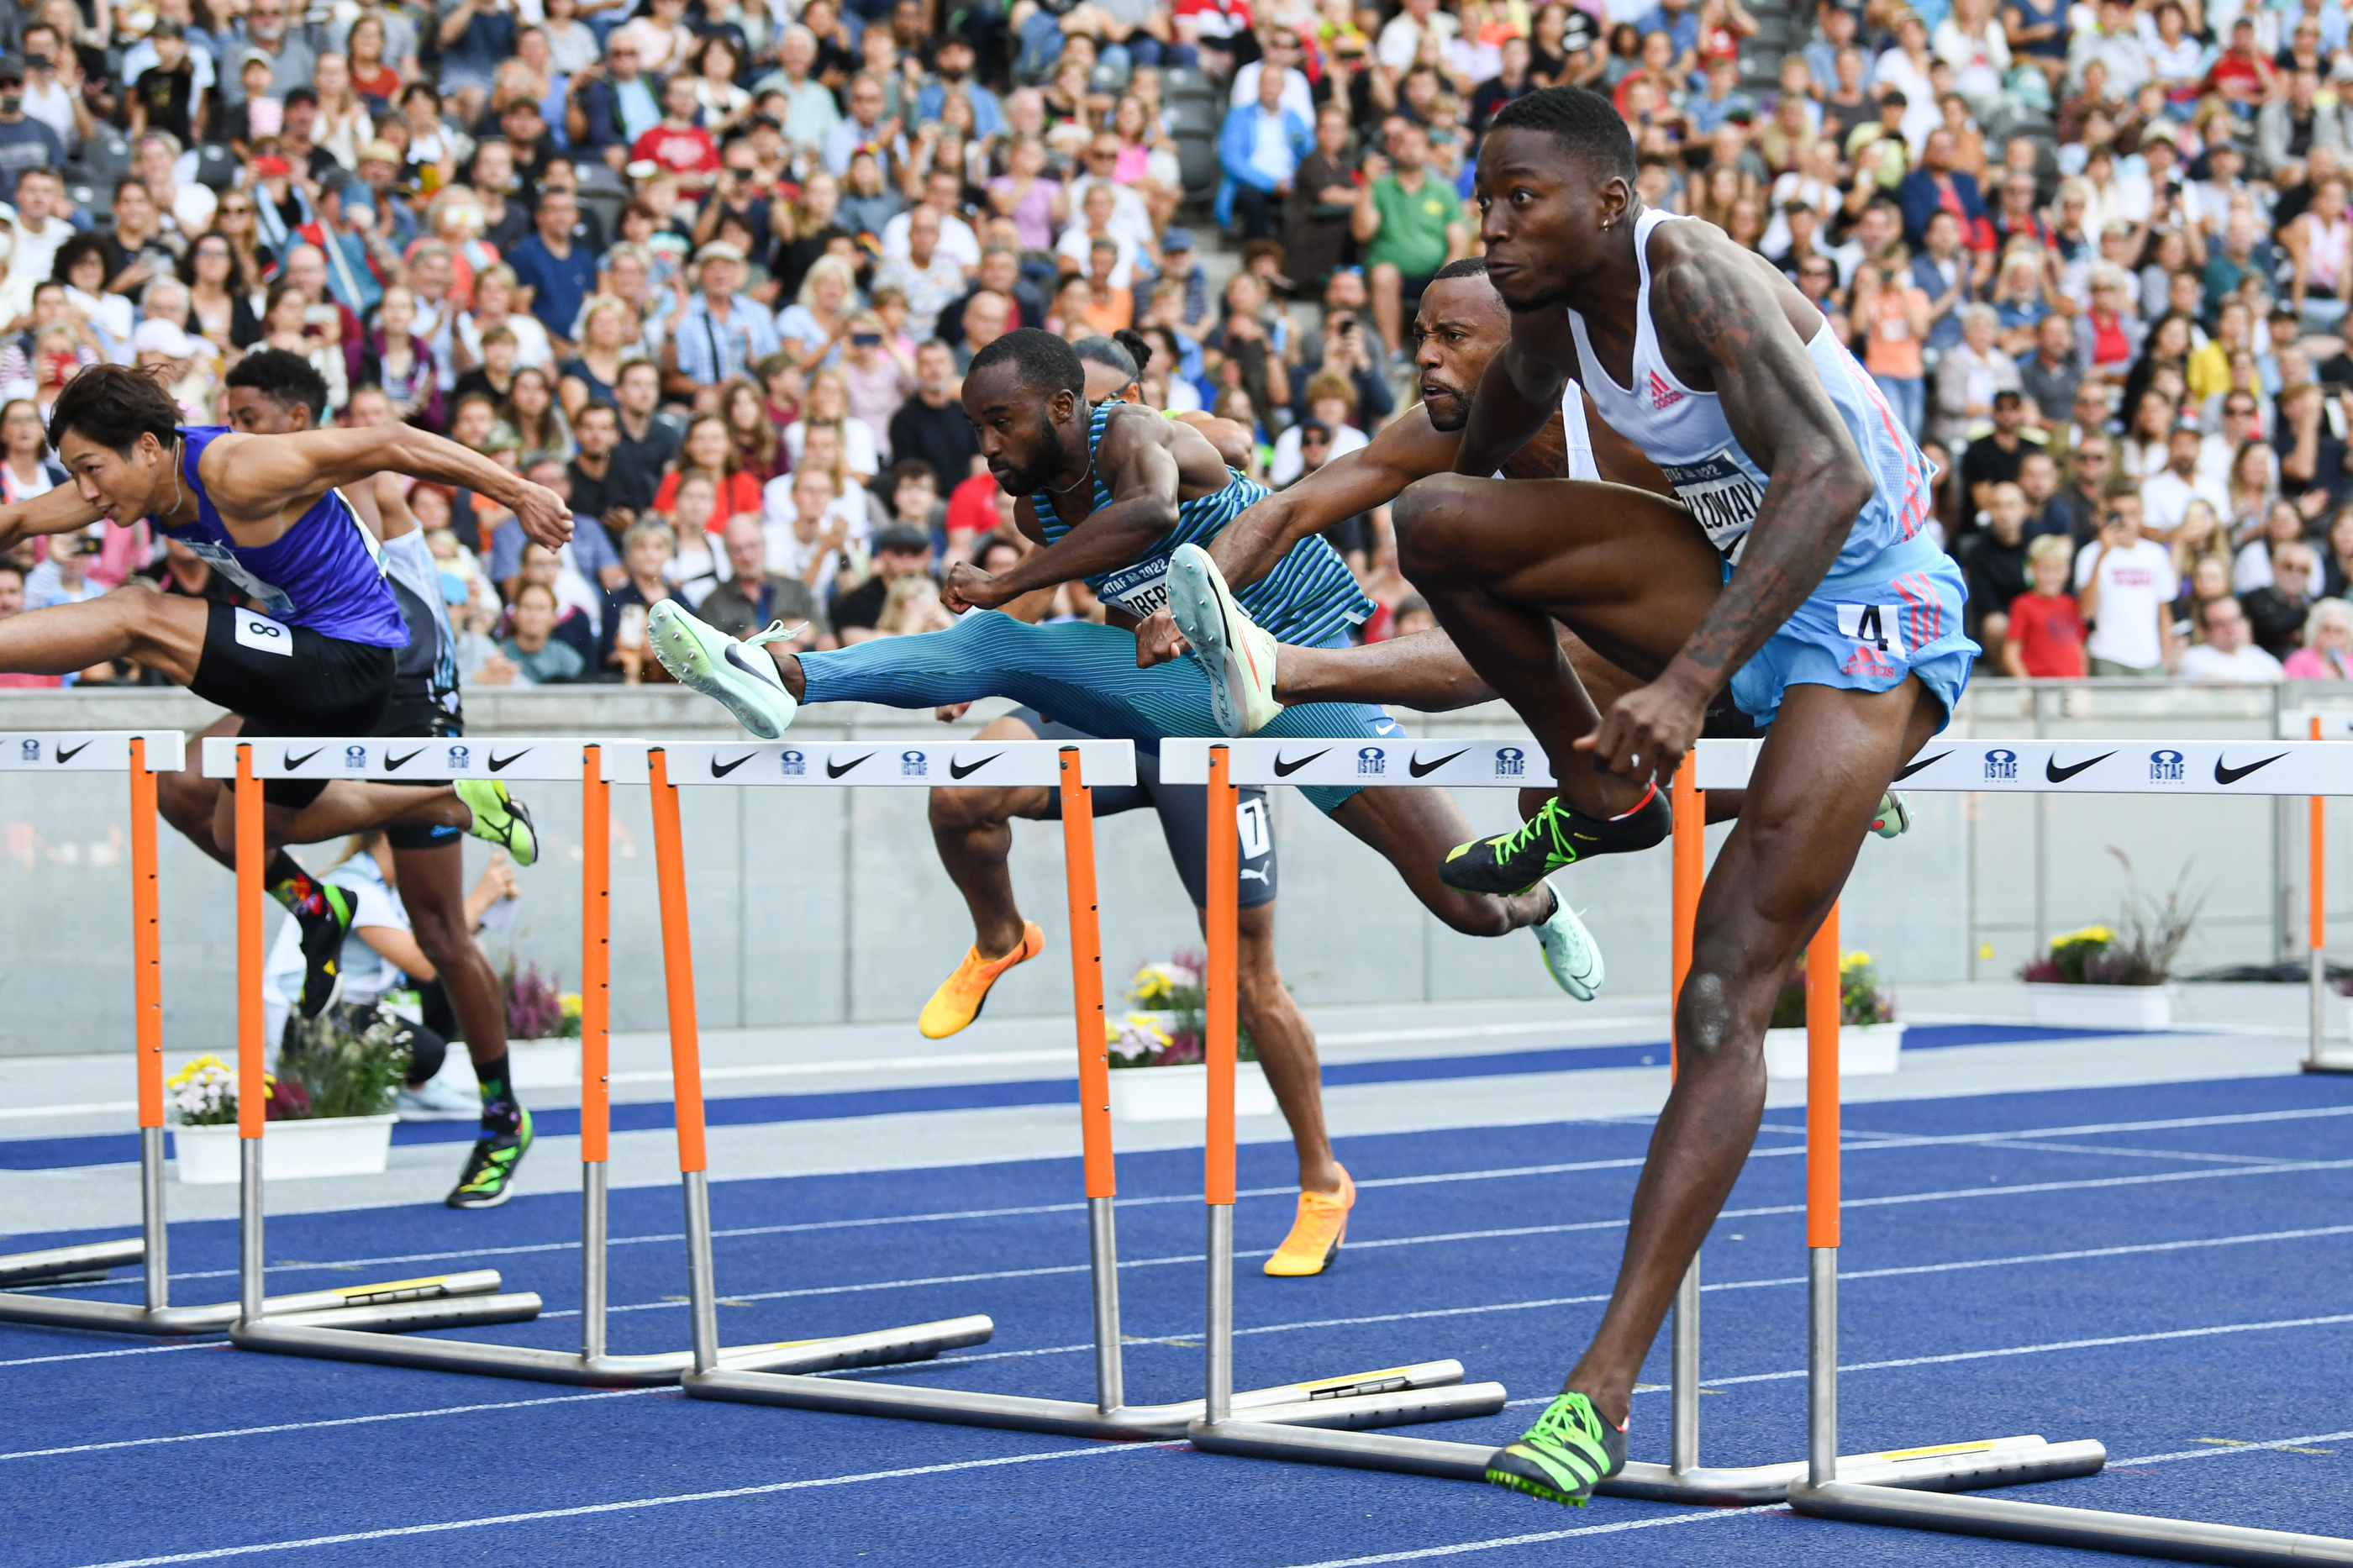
1717 312
1137 463
1519 392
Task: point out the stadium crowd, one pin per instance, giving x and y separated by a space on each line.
713 269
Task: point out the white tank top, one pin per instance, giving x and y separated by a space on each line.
1581 465
2325 255
1685 432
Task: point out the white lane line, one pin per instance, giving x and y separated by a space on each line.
322 1425
1093 1450
1866 1142
2052 1348
2234 1449
100 1356
1460 1547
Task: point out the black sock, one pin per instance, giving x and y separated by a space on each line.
1642 826
296 889
502 1111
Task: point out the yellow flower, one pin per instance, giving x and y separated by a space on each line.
2100 935
570 1002
1853 961
200 1067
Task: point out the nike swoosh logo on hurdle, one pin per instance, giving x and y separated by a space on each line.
65 756
834 770
1906 772
957 770
2223 775
498 762
391 762
1284 769
1421 769
720 770
2057 774
291 761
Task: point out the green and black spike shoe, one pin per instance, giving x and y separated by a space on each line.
1569 1452
489 1180
1555 837
323 949
499 818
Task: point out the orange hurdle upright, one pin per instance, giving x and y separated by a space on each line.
1689 874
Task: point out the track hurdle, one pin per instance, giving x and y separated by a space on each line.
141 755
597 765
1428 1391
2334 724
2290 769
2004 1461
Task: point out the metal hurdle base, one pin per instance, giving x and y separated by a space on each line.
72 1265
2090 1529
1999 1462
883 1347
1429 1391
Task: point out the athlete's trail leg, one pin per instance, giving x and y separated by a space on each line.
164 635
1829 756
974 834
1414 828
433 891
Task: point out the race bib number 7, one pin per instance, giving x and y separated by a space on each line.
263 634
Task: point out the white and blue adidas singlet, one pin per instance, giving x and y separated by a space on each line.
1891 604
1309 599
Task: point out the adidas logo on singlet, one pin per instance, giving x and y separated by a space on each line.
1662 394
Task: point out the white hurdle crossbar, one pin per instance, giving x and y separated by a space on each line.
141 754
596 765
1910 1489
1430 1391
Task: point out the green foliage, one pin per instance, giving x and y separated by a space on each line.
1860 1001
349 1061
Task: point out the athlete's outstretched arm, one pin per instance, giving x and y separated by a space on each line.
1137 462
1720 321
59 510
1520 391
257 477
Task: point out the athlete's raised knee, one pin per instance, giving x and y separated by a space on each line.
965 810
1426 517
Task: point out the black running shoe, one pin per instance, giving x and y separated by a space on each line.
1555 837
489 1180
1571 1449
322 949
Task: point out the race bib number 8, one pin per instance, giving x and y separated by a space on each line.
263 634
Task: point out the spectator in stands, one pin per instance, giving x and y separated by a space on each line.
2327 653
2229 652
1260 148
11 602
754 597
2043 634
899 552
2124 587
2276 612
1411 225
720 332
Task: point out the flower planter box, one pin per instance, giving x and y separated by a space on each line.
545 1063
323 1146
2124 1008
1864 1049
1182 1093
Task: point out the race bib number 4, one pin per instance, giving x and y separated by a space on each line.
1720 494
263 634
1138 589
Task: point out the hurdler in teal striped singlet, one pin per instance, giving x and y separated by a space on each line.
1309 598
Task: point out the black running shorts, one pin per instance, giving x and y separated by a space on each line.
290 680
1183 819
419 718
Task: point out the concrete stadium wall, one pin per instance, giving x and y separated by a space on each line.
815 907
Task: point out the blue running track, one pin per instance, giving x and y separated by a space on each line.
2168 1269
